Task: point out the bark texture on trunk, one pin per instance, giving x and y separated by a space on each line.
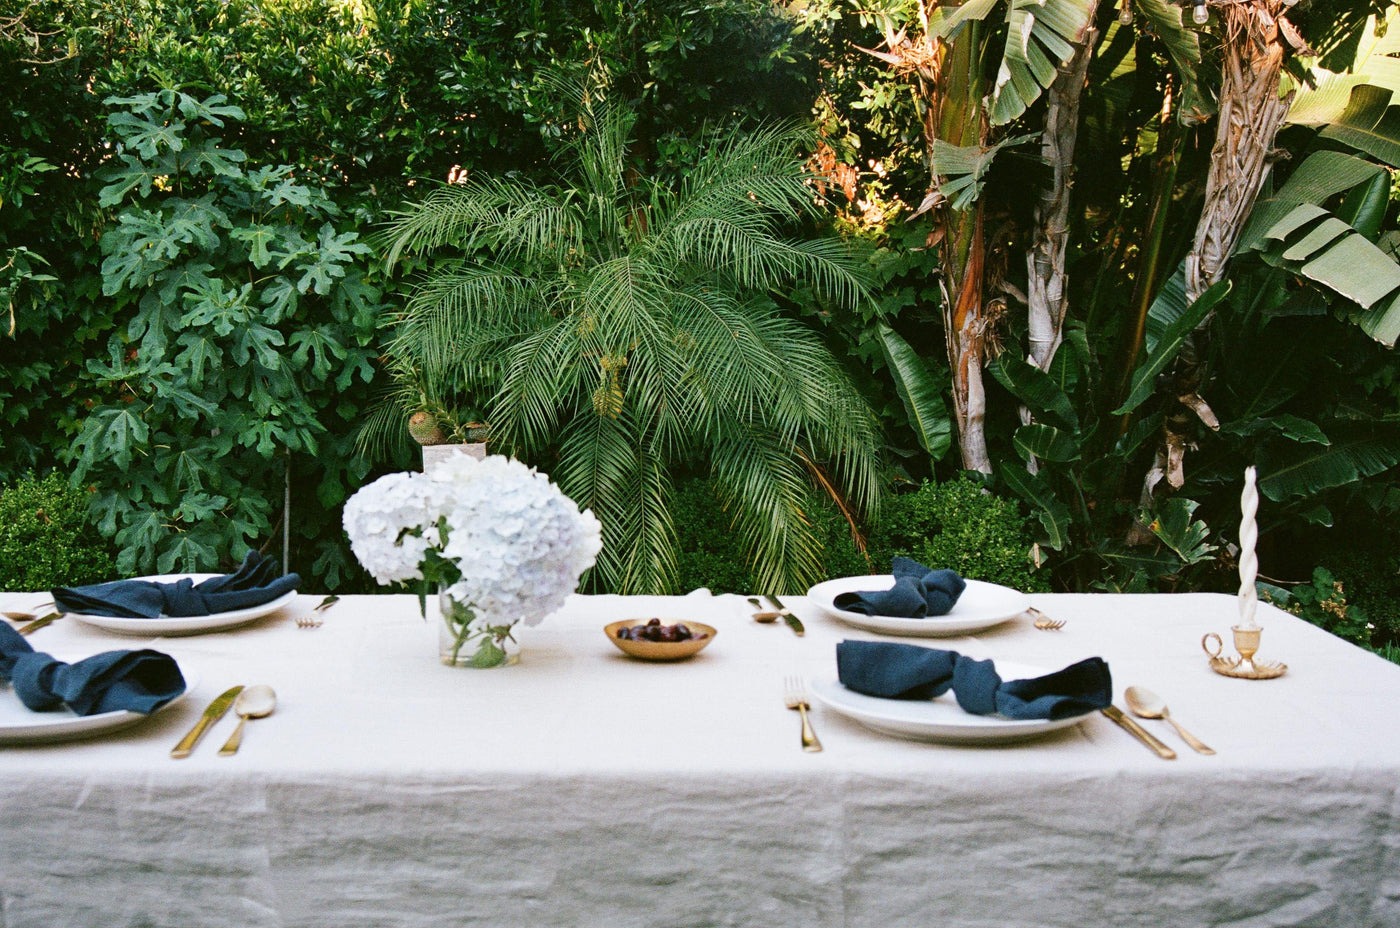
1047 299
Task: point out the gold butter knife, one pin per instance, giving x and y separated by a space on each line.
39 623
216 711
1138 732
786 615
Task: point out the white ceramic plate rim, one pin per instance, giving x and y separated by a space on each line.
938 719
183 625
18 725
981 605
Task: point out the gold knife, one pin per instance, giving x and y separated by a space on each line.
1138 732
785 613
216 711
39 623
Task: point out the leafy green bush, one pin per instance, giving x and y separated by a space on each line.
46 538
245 354
711 552
958 525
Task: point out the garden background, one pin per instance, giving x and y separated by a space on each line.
1062 375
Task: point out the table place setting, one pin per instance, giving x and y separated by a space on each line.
57 700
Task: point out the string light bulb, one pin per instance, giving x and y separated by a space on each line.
1200 15
1125 13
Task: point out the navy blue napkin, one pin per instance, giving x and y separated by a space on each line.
140 681
918 592
253 584
892 670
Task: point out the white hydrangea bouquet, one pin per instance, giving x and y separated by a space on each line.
501 542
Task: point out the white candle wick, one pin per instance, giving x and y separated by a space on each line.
1249 561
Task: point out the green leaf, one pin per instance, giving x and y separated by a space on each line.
1287 473
1144 378
1184 48
1176 529
1045 442
1041 36
920 392
1035 388
961 168
1054 516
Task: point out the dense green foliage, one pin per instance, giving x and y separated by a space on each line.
243 349
370 103
47 538
710 552
958 525
623 328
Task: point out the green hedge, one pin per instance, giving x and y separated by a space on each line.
958 525
47 539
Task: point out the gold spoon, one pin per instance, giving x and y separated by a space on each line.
27 616
255 702
1148 705
762 615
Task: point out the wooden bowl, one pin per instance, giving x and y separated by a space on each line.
660 650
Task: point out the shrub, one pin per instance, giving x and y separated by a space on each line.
46 539
958 525
711 553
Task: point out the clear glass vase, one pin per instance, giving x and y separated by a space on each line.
468 640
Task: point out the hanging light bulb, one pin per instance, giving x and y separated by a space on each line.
1125 13
1201 15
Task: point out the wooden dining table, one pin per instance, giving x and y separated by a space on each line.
582 787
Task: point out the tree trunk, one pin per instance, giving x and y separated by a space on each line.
1046 298
1251 113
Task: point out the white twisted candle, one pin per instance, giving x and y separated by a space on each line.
1249 561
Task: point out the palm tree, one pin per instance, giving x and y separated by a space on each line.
630 331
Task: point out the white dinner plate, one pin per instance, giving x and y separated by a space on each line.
19 725
980 606
185 624
940 719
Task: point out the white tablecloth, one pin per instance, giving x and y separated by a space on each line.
582 788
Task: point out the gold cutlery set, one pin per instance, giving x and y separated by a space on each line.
253 702
1141 701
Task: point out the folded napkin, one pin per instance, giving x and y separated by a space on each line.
918 592
141 681
905 671
253 584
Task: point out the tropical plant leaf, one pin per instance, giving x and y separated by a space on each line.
920 392
1183 46
1144 378
1288 473
1294 230
962 167
1041 36
1045 442
1054 516
1174 526
1369 123
1036 389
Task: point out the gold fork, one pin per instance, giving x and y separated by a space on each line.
796 698
313 619
1044 622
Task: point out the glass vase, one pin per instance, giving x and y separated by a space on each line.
466 639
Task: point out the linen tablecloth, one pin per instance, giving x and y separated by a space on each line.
583 788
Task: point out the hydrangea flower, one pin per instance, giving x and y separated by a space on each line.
516 544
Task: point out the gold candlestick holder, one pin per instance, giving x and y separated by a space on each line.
1244 667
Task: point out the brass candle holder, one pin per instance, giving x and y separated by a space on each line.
1244 667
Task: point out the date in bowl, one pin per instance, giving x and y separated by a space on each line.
655 640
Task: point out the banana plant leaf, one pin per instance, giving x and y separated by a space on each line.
962 167
1045 442
1054 516
1036 389
1170 342
920 393
1289 471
